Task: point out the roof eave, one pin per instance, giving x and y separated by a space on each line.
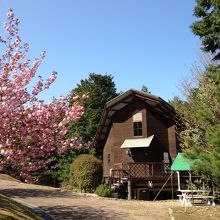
109 107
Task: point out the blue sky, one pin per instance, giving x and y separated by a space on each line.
139 42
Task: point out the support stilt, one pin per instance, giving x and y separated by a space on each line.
129 189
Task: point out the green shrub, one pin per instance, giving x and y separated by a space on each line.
103 190
86 173
65 160
48 178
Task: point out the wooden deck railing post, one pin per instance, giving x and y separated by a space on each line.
129 189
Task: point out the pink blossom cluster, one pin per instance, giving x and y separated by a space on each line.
31 131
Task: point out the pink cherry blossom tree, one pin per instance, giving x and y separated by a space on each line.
31 132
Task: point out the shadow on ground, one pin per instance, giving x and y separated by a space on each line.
64 211
24 193
85 212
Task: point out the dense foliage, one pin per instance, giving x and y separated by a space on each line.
94 92
208 25
100 89
200 135
32 133
103 190
62 174
86 173
199 130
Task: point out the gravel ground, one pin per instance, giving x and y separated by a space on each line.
65 205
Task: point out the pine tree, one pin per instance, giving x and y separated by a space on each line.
200 138
208 25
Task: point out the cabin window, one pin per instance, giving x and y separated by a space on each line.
137 123
109 158
137 128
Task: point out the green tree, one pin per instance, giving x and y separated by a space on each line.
62 175
200 113
100 89
145 89
208 25
200 138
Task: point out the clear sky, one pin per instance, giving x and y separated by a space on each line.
139 42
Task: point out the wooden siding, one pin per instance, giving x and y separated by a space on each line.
172 142
122 128
157 127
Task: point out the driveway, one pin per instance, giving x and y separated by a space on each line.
65 205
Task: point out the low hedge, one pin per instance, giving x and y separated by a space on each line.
86 173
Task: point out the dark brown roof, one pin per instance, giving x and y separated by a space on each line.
156 103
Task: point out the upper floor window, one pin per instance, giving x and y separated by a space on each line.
137 124
137 128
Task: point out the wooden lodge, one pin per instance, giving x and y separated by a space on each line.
138 138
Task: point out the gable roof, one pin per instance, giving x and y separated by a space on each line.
154 102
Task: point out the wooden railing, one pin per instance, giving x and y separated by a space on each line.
142 170
138 170
119 173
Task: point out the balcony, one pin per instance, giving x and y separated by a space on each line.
139 170
145 170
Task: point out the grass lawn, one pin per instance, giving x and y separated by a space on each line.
10 209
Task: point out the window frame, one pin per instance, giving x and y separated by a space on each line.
137 130
109 158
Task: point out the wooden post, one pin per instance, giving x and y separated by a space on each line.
129 189
138 194
190 178
178 178
172 183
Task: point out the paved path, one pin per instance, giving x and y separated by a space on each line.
66 205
